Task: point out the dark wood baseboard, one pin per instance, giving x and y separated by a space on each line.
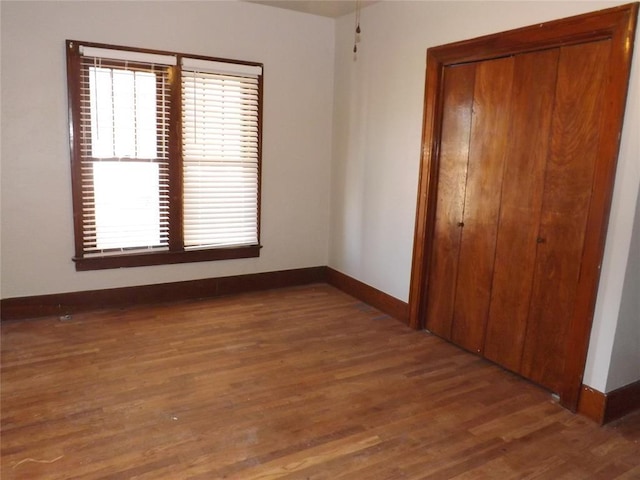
69 303
73 302
622 401
374 297
606 407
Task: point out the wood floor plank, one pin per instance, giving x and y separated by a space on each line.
296 383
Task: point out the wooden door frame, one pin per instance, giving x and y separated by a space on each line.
615 24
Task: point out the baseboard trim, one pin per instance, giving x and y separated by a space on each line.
74 302
605 407
622 401
368 294
70 303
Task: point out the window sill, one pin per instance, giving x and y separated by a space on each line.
164 258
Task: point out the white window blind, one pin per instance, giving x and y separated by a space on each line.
124 143
220 154
165 156
127 55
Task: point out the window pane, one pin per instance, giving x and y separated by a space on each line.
220 159
123 113
101 112
127 204
220 205
145 115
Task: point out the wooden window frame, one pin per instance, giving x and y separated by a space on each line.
176 252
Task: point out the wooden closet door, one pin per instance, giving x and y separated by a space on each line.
472 151
531 104
576 125
518 153
487 148
547 111
452 178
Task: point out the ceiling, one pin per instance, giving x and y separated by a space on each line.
325 8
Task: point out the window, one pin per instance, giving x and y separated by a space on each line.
165 156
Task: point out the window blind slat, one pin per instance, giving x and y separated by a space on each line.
220 149
127 55
218 67
124 138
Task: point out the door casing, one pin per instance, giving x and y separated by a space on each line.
615 24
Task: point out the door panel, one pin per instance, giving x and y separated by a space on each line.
528 141
567 194
586 116
487 149
452 176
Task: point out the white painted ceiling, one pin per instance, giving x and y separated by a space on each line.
325 8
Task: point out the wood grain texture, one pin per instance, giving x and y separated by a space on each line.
458 87
622 46
299 383
616 22
568 185
427 190
527 142
592 404
487 150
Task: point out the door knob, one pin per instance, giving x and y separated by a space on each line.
541 240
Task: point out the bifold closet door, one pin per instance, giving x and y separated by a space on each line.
479 223
520 141
472 158
469 180
569 182
527 150
515 175
452 178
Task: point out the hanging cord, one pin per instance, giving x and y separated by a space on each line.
356 35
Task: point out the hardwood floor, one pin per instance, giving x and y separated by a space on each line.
297 383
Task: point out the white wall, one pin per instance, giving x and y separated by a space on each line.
625 360
377 139
297 51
